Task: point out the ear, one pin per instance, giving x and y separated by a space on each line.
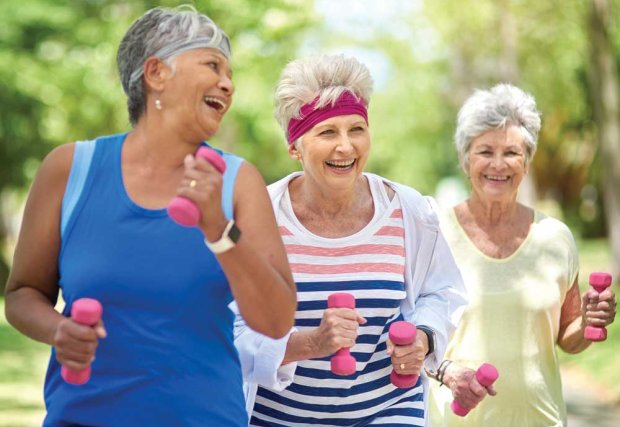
293 151
156 72
462 164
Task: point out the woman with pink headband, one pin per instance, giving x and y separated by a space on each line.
348 231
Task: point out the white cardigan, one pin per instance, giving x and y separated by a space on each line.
436 295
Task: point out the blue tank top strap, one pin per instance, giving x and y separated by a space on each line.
233 163
82 157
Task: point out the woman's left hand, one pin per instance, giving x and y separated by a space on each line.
408 359
598 309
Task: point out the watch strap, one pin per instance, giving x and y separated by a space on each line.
229 238
430 335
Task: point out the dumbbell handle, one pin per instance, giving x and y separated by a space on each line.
486 375
402 333
342 362
600 282
184 211
85 311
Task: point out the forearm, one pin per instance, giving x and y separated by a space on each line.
299 347
571 339
266 300
32 313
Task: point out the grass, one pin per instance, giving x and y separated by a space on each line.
23 361
22 370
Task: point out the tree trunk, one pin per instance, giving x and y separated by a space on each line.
4 268
603 77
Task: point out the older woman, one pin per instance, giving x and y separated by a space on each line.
348 231
520 268
96 226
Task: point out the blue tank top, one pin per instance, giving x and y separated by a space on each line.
169 357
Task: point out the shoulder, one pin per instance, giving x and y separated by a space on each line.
56 166
552 226
278 188
422 208
551 231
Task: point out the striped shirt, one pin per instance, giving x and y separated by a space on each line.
370 265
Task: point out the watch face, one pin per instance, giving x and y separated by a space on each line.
234 233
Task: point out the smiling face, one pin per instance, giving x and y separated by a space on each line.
497 164
334 152
199 92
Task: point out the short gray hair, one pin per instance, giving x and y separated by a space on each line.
502 105
164 33
325 77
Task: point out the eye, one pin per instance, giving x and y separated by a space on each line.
327 132
485 152
214 65
357 129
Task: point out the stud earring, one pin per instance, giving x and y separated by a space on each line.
158 104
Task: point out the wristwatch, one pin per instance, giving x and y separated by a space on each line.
431 337
229 238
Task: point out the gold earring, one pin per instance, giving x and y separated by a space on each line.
158 104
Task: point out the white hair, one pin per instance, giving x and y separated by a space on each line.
325 77
502 105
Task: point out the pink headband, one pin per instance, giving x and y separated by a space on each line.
346 104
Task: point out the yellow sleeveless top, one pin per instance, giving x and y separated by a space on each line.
512 321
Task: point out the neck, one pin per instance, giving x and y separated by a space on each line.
329 202
492 212
159 146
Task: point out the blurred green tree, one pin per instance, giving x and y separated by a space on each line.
58 78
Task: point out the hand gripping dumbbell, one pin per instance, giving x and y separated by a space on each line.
402 333
342 363
600 282
182 210
85 311
486 375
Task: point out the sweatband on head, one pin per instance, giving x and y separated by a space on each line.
346 104
218 41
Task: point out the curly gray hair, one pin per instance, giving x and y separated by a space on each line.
164 33
502 105
325 77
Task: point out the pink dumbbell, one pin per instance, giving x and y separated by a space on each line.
86 311
403 333
342 362
486 375
600 282
185 212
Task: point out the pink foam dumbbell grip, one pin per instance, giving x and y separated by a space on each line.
486 375
86 311
600 282
342 363
185 212
402 333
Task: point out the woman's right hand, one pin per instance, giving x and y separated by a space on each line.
466 389
338 329
76 343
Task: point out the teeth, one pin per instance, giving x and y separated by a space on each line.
496 178
340 163
210 99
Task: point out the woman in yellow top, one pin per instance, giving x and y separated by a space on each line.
520 268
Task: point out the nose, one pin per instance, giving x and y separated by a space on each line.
344 144
498 161
226 84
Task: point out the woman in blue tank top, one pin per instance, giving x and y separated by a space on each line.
96 226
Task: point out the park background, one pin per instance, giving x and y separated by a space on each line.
58 83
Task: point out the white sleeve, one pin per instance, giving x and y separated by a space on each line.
261 357
441 301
